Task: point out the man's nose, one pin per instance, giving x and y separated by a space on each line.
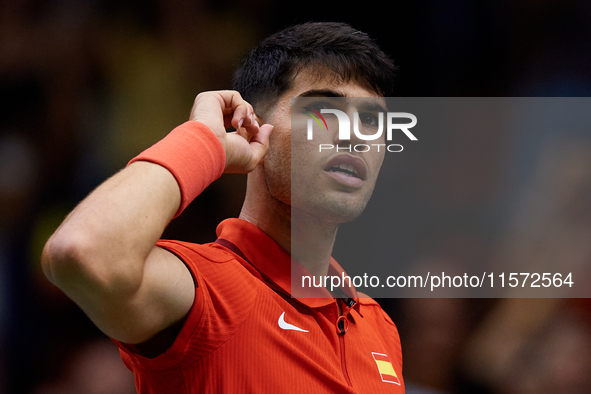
351 138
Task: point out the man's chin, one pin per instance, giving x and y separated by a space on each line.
332 212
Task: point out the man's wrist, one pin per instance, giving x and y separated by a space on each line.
193 154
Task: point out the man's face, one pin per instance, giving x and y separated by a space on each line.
328 185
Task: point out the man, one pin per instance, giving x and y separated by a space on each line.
220 317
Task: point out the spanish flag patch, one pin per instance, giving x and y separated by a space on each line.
385 368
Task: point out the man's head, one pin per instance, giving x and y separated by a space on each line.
311 60
347 54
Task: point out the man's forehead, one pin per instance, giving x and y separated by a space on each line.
344 89
367 103
312 82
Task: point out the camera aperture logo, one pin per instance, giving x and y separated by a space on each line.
345 130
316 116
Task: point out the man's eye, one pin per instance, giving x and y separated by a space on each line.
368 119
319 105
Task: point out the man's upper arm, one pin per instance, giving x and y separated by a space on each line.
164 297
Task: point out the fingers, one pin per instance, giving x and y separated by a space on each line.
244 117
234 110
246 155
223 109
237 111
259 144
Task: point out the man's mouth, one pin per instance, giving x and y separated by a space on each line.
347 169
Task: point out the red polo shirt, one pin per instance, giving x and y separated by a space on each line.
244 332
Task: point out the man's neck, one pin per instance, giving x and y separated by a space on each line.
310 241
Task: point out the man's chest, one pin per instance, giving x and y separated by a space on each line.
288 347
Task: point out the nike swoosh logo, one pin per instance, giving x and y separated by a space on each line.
287 326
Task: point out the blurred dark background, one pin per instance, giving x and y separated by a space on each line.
86 85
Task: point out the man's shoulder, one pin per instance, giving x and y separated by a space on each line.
371 306
190 251
211 263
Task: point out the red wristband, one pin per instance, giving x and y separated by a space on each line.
193 154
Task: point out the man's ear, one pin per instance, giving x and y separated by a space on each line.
259 119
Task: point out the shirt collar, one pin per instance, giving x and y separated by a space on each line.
275 264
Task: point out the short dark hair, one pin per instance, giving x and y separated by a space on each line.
268 70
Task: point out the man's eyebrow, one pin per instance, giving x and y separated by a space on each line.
370 106
321 93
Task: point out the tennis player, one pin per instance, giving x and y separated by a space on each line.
220 317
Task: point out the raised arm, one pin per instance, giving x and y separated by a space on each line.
103 256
